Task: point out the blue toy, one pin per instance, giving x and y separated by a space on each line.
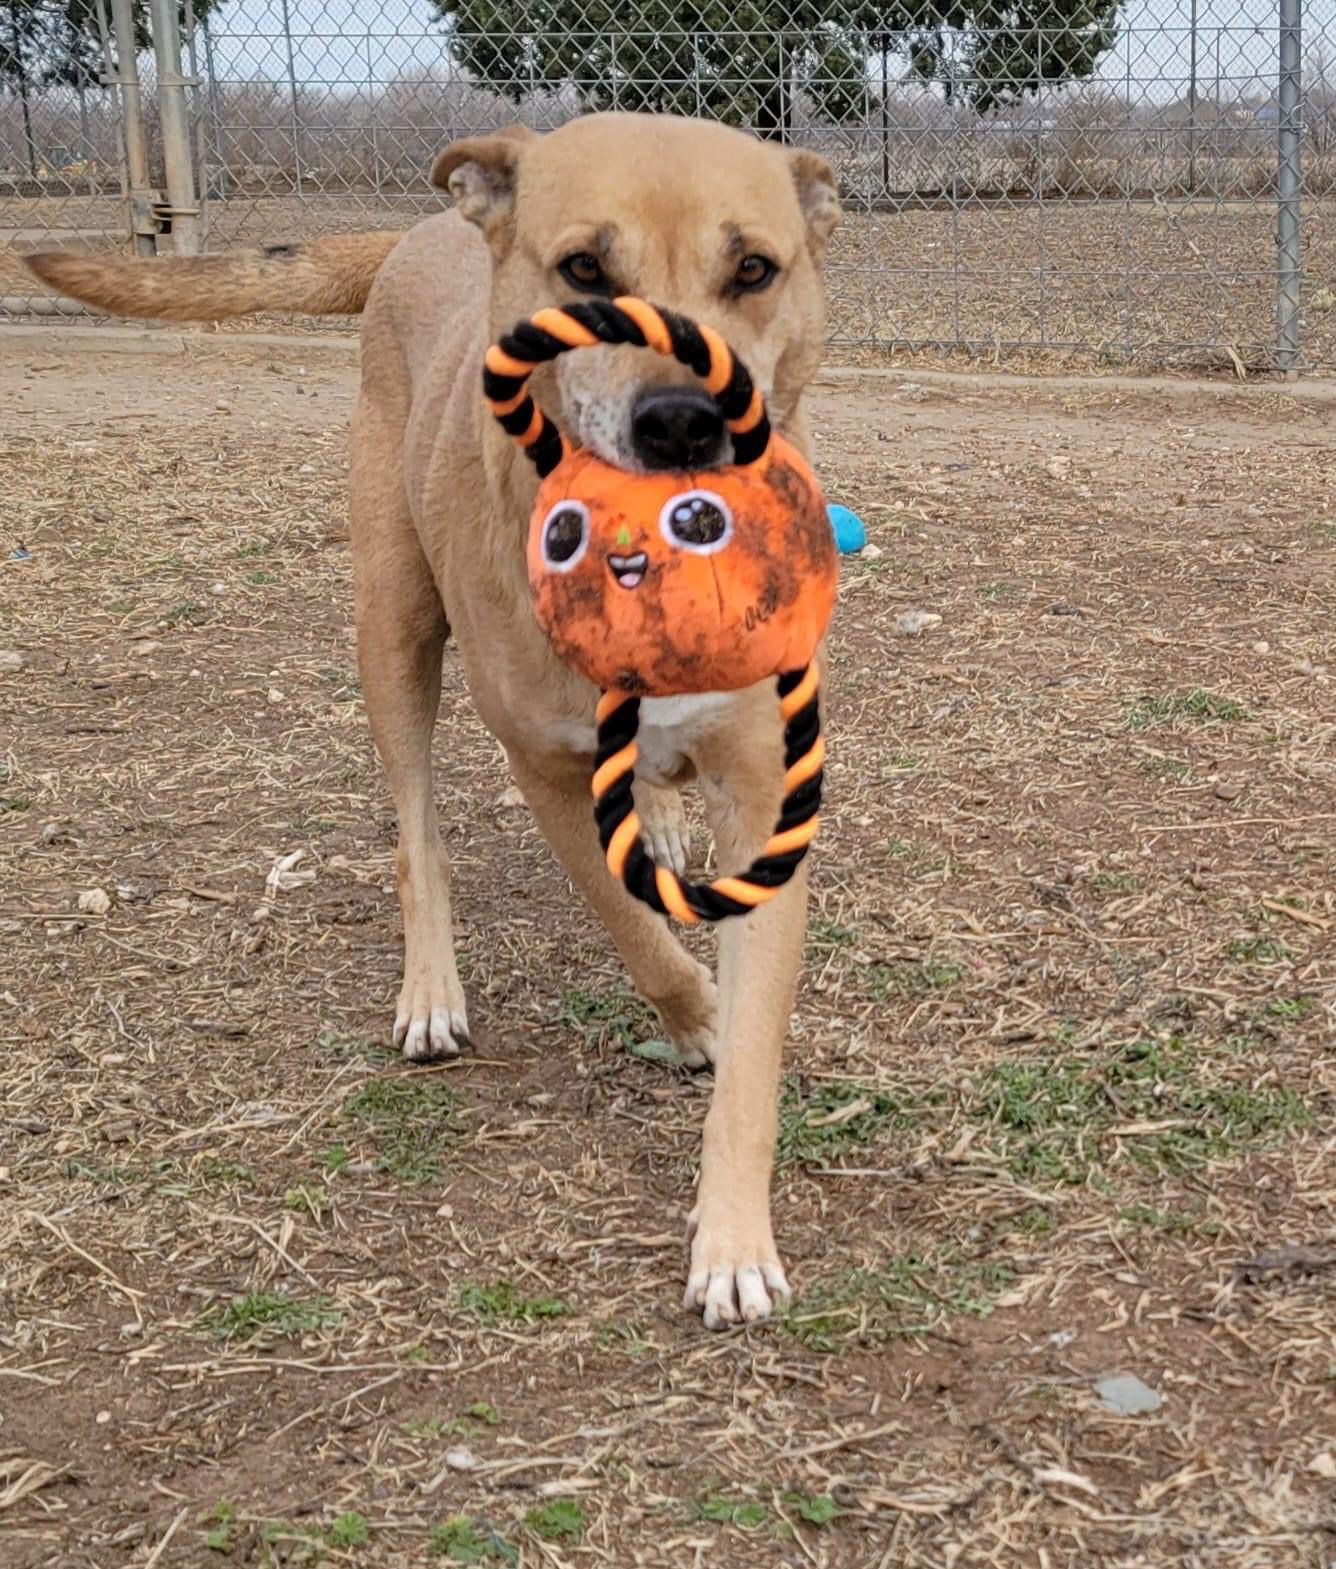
850 531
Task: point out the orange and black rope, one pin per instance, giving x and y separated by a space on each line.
512 360
661 888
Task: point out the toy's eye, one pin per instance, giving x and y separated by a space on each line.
698 521
565 535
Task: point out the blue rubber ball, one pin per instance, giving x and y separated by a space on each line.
850 530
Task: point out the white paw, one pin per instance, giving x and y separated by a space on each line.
427 1033
695 1036
733 1280
663 825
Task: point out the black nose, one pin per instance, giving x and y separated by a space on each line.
677 428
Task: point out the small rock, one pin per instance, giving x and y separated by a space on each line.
102 1418
1322 300
511 796
307 468
1305 667
223 408
461 1459
55 833
910 623
913 391
143 648
446 1212
94 901
218 588
1228 790
1059 467
12 659
1261 646
113 1059
1125 1394
871 552
1323 1465
274 695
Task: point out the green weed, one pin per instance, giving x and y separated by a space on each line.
272 1313
601 1017
502 1303
749 1514
561 1520
1198 705
836 1117
411 1120
462 1540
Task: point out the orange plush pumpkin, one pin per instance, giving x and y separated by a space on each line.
657 585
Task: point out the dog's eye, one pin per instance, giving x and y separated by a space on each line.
583 271
565 535
753 273
698 521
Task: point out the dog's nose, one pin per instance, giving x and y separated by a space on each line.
677 428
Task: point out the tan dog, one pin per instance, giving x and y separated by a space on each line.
693 216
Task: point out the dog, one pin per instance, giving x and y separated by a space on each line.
700 218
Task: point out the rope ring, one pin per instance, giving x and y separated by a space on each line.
659 886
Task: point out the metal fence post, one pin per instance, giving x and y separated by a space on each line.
174 116
141 197
1289 185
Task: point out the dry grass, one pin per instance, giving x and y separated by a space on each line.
1061 1097
1091 285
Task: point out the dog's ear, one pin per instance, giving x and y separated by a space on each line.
818 194
479 172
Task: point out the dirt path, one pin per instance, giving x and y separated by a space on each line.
1061 1084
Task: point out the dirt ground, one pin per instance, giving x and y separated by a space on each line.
1060 1095
1178 286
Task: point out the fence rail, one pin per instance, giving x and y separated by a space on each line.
1146 182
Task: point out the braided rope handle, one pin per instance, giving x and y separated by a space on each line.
660 887
510 362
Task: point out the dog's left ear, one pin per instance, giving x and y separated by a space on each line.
818 194
480 173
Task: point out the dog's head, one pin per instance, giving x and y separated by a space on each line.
693 216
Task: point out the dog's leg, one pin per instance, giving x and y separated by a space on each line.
664 973
663 824
401 632
735 1273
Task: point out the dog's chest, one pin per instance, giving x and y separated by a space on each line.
668 728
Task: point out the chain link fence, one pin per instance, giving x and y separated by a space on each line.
1148 183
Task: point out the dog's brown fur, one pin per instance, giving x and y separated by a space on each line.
440 506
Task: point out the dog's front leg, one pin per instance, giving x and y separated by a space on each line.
735 1272
664 973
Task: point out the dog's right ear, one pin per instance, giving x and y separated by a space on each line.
480 172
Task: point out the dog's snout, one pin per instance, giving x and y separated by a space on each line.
677 428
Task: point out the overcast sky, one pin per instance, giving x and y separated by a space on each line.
353 43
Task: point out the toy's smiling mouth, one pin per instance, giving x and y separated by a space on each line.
629 570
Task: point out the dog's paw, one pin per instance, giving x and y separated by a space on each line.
735 1276
425 1031
663 825
693 1027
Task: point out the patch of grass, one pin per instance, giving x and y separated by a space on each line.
560 1520
749 1514
78 1170
836 1117
1289 1010
285 1545
411 1120
1116 882
253 547
601 1017
187 613
904 1299
629 1337
1326 532
1172 1222
811 1508
220 1521
1051 1117
503 1303
120 607
1256 950
336 1159
15 803
905 978
271 1313
1164 767
307 1199
261 579
1198 705
349 1530
485 1412
343 1048
463 1540
823 934
990 592
215 1172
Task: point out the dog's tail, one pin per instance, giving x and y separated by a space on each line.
330 276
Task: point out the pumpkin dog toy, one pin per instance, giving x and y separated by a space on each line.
656 585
